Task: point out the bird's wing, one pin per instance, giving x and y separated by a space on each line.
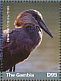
6 50
17 49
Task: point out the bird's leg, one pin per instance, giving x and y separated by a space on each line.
10 69
14 68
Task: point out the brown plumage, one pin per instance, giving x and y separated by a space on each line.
26 35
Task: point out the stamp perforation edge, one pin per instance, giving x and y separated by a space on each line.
60 35
1 38
60 39
35 1
29 80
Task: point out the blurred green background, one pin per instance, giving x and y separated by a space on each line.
46 57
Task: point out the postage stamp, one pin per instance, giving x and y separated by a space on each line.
30 40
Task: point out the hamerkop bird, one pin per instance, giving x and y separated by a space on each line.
26 35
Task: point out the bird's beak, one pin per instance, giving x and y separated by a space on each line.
45 28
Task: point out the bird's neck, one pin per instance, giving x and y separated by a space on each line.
34 34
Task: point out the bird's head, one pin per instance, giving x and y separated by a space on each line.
33 17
